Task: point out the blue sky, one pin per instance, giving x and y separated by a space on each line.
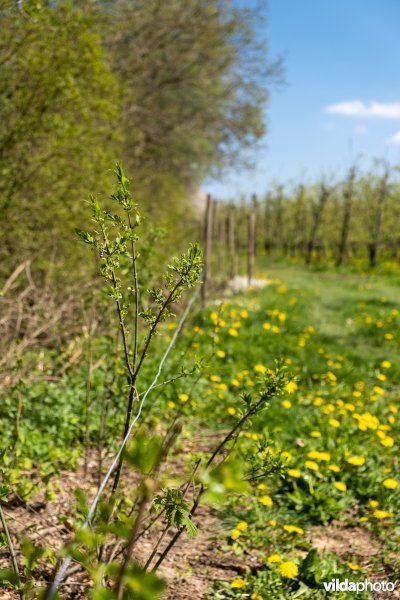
341 99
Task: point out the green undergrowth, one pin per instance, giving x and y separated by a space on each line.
327 449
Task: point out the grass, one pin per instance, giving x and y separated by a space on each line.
326 451
332 331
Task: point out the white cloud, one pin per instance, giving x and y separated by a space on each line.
357 108
360 129
394 140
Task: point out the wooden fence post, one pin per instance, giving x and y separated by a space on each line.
208 228
254 203
231 243
251 221
222 233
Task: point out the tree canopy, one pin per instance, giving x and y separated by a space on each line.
174 89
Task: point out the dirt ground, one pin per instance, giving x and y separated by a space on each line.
188 570
193 565
348 542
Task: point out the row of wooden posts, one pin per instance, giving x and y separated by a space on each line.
231 245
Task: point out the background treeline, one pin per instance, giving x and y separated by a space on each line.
173 89
354 221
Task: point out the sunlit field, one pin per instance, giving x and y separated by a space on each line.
199 300
310 487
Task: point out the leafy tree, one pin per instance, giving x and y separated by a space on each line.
174 89
58 104
196 77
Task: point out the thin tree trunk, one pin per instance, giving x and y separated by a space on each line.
378 217
317 219
348 200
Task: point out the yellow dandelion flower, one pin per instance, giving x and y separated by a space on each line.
390 483
238 583
291 387
356 461
288 569
183 397
220 386
244 313
233 332
274 558
272 522
353 566
386 364
389 336
171 404
287 455
334 423
293 529
286 404
387 441
260 368
294 473
310 464
340 485
242 526
266 500
334 468
316 455
373 503
378 390
231 410
315 434
382 514
235 533
220 354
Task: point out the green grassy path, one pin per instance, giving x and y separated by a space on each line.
336 432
